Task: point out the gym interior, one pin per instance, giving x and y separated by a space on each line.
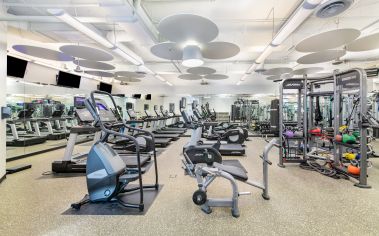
189 117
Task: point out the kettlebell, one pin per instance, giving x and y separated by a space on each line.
349 139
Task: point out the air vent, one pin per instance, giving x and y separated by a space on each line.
333 8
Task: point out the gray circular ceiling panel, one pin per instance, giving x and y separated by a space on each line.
129 74
99 73
88 53
220 50
216 77
190 77
307 70
370 42
94 65
320 57
277 71
201 70
328 40
43 53
168 51
185 27
128 80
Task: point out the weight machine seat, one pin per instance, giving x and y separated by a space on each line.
236 172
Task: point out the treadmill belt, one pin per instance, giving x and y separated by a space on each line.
114 208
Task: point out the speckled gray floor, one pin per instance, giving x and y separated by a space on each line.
302 203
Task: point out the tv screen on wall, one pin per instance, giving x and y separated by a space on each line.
105 87
148 97
68 80
137 96
16 67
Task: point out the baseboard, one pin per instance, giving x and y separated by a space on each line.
3 178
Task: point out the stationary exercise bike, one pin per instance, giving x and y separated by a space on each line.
106 174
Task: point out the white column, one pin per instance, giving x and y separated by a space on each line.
3 92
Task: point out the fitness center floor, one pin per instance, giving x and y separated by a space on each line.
302 202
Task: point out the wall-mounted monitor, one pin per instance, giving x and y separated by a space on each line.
129 105
105 87
148 97
16 67
137 96
68 80
146 107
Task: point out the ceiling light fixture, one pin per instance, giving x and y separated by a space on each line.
91 33
296 19
192 56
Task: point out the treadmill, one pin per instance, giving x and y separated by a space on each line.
23 139
77 163
160 140
164 114
224 149
51 133
156 123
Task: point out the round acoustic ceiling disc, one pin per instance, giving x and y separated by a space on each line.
94 65
129 74
277 71
319 57
366 43
307 71
185 27
168 51
220 50
88 53
190 77
201 70
128 80
328 40
216 77
99 73
43 53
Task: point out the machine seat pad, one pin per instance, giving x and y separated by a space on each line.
236 172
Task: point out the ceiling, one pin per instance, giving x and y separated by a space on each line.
249 24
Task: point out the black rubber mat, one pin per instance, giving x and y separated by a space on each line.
114 208
235 163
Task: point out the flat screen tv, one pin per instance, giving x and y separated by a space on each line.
16 67
105 87
68 80
137 96
148 97
146 107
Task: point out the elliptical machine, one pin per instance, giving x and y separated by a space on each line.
106 174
